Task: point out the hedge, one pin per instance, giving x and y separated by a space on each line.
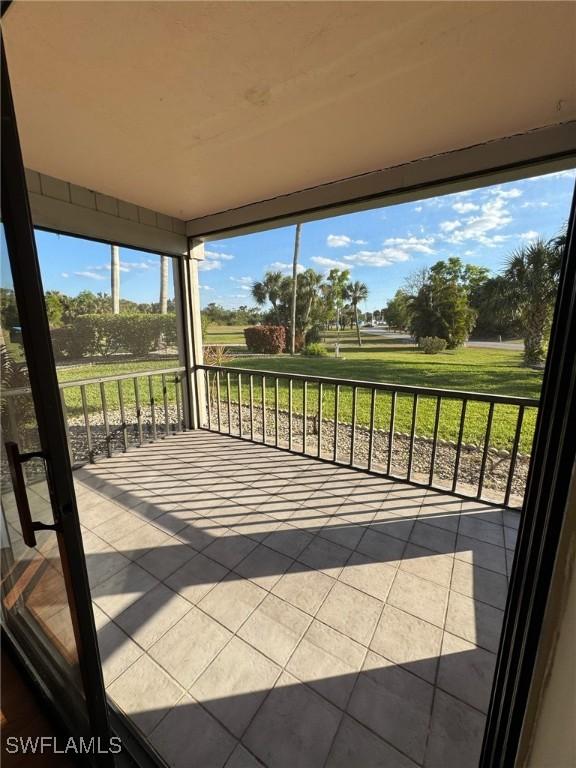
265 339
101 335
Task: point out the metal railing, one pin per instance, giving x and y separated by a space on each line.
108 413
471 444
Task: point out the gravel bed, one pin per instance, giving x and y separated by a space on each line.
495 477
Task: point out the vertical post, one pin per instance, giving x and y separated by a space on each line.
115 278
353 434
336 407
123 416
263 409
105 417
391 432
87 423
304 415
320 397
190 334
138 411
165 399
371 435
66 424
295 288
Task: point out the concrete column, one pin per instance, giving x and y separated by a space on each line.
164 284
187 292
198 379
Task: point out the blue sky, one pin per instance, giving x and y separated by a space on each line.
380 247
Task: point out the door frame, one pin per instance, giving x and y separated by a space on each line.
29 296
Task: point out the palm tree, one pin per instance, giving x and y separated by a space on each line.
355 293
268 289
532 277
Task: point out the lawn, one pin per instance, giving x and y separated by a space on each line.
379 359
472 370
225 334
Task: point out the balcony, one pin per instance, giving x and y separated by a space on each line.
259 607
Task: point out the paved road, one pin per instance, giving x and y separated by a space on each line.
404 337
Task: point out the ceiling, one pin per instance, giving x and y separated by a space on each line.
191 108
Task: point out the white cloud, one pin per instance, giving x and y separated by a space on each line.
324 261
465 207
342 241
284 266
507 193
411 243
530 235
450 226
64 274
535 204
244 281
493 216
383 258
213 260
419 209
90 275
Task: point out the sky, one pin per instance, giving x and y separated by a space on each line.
380 247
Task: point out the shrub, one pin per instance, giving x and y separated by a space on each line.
313 335
137 333
315 350
265 339
298 341
431 345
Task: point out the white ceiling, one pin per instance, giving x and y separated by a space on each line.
190 108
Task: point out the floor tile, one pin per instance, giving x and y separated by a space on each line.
357 747
304 587
117 650
368 576
294 727
288 540
479 583
379 546
163 561
432 537
189 646
152 615
466 671
123 589
142 540
275 628
119 526
328 662
476 622
409 641
351 612
229 550
427 564
196 578
418 597
104 564
263 566
145 693
232 600
477 528
394 704
456 734
241 758
480 553
235 684
325 556
188 736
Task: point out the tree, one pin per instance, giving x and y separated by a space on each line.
54 307
441 306
532 275
355 293
397 312
295 288
268 289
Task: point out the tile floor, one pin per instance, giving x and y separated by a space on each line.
256 607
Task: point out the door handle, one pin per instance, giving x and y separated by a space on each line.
15 461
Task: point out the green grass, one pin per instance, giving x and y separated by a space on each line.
73 397
473 369
379 359
225 334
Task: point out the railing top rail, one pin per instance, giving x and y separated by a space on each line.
100 379
455 394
